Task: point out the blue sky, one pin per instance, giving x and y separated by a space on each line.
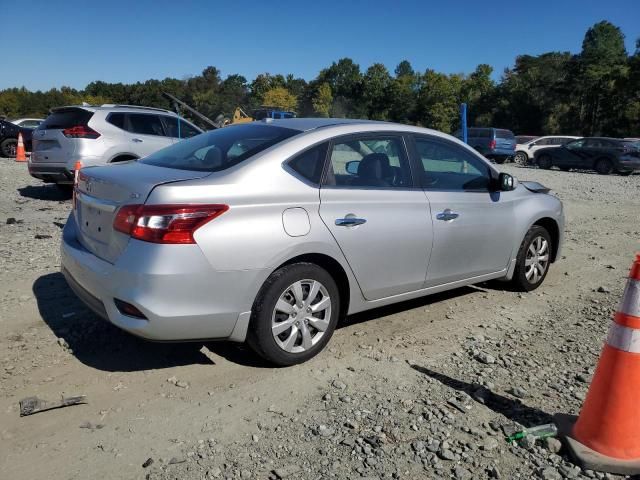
49 43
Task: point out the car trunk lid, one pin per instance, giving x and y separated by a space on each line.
100 191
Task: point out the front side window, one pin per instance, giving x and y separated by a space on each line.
448 167
378 162
145 124
575 144
219 149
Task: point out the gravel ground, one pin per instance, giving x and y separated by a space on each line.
423 389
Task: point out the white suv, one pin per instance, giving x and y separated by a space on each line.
525 151
97 135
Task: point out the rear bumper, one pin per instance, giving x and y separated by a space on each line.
51 173
174 286
500 152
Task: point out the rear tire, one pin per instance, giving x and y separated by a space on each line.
604 166
8 147
287 325
544 161
625 174
565 169
533 260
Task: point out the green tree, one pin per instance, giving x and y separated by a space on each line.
322 100
280 97
376 87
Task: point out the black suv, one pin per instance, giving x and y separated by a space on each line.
602 154
9 138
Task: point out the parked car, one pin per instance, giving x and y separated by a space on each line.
525 153
602 154
270 231
97 135
27 122
494 143
522 139
9 138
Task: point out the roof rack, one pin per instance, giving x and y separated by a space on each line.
111 105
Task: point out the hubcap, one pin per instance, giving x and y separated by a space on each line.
12 150
537 259
301 316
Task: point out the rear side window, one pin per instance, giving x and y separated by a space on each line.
508 134
66 118
219 149
309 164
145 124
116 119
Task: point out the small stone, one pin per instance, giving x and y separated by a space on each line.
326 397
62 342
489 444
485 358
325 431
255 437
528 442
175 460
11 221
446 454
550 474
286 471
147 463
339 385
518 392
553 444
41 236
245 474
461 473
418 446
603 290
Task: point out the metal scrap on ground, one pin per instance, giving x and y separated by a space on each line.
31 405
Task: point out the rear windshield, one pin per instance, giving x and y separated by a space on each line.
479 132
68 118
219 149
504 134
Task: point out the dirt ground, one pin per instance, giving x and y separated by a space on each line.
214 410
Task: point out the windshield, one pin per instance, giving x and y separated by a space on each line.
219 149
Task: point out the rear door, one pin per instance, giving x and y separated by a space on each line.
146 133
473 228
379 218
50 144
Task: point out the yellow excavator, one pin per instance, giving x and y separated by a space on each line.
239 115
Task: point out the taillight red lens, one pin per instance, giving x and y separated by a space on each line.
492 144
165 223
80 131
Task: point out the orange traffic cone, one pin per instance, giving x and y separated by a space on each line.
606 436
21 156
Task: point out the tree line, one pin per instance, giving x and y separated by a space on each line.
594 92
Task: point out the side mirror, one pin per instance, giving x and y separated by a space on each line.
352 167
506 182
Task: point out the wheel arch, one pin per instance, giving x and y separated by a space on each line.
334 268
123 157
551 226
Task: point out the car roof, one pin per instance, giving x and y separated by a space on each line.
306 124
114 107
613 139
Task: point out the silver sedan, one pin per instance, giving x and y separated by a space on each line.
270 232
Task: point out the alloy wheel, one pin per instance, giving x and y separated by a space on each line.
537 259
301 316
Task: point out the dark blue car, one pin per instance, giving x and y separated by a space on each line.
496 144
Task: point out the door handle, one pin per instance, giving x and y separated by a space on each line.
137 140
447 215
350 221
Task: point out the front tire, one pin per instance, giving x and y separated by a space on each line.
294 314
521 159
533 260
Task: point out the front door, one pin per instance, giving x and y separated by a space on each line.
380 220
473 228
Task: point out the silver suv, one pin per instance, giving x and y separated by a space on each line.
97 135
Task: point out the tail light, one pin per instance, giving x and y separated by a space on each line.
492 144
80 131
165 223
